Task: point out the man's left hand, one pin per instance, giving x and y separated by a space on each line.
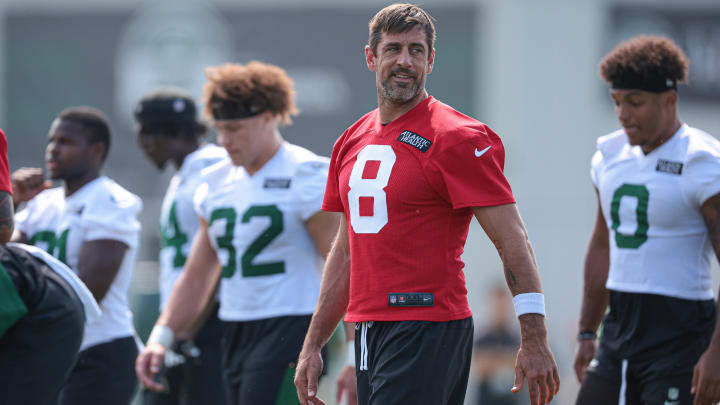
536 364
706 378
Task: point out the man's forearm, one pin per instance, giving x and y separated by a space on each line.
188 299
7 223
333 299
521 273
595 295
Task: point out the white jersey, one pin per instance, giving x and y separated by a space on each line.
178 220
257 227
101 209
659 242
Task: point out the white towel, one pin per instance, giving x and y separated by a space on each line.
92 310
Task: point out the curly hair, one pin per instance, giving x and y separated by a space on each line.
401 17
252 88
645 62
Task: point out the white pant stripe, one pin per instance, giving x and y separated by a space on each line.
623 383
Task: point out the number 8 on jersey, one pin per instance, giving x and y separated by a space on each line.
370 188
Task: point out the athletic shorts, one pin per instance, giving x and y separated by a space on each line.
259 359
648 350
38 351
104 375
194 374
413 362
610 380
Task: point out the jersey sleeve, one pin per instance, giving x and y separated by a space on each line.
704 174
200 200
4 165
113 217
470 172
309 187
29 220
595 167
331 200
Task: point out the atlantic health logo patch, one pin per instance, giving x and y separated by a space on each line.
416 141
668 166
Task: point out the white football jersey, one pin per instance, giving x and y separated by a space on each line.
257 228
178 220
101 209
658 239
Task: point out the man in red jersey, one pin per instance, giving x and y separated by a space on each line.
409 176
7 224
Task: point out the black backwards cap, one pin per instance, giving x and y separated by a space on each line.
233 108
166 106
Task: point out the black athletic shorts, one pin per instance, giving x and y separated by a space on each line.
649 347
259 360
104 375
197 377
39 350
413 362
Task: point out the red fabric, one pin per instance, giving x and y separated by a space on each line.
429 196
4 165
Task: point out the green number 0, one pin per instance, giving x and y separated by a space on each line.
640 236
173 236
261 242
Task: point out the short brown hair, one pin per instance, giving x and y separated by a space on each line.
94 122
645 62
401 17
263 86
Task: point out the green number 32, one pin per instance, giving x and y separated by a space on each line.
642 194
256 246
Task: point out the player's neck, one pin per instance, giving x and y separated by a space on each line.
390 111
663 137
183 152
74 184
268 151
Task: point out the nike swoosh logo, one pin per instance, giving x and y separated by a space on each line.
479 153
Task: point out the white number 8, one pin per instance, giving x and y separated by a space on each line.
360 187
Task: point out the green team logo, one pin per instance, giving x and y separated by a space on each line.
172 236
274 229
55 244
641 193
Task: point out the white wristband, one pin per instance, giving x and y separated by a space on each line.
162 335
350 353
529 303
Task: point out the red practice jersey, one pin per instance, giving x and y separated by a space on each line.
407 190
4 165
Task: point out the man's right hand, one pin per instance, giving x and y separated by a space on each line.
148 365
583 356
309 368
27 182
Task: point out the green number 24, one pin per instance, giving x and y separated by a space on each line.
56 245
642 194
261 242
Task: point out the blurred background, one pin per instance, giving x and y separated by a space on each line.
527 68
